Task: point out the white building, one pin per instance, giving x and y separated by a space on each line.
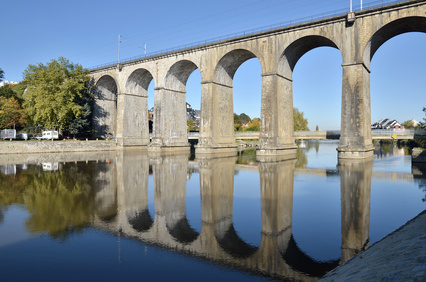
8 82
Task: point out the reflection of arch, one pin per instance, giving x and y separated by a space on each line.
182 231
107 213
141 221
392 29
300 261
178 75
228 65
298 48
138 82
234 245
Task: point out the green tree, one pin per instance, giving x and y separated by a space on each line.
238 126
244 118
1 75
11 113
317 128
52 92
300 123
190 125
7 92
408 124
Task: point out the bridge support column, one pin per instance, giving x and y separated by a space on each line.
355 137
104 117
355 187
217 120
132 120
169 120
276 140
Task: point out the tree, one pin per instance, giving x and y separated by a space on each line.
253 125
11 113
7 92
300 123
244 118
1 75
238 126
52 92
190 125
409 124
317 128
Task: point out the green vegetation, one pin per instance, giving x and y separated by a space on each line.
56 93
243 122
300 123
190 125
1 75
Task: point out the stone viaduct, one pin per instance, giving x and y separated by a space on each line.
121 90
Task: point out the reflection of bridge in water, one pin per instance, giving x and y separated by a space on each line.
121 201
122 208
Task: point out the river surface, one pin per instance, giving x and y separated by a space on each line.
134 215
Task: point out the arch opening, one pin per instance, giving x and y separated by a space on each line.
317 89
228 65
297 49
397 80
390 30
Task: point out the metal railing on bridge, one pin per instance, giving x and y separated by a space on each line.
285 24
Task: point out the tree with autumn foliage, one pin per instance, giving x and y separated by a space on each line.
11 113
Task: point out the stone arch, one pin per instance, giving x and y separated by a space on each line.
390 30
106 88
178 75
228 65
105 106
297 49
138 82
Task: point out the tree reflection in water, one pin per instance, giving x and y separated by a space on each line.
113 196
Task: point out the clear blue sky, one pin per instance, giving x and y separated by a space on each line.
86 32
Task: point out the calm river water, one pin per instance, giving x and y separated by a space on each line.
136 216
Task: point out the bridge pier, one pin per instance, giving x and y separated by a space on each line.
132 120
169 130
217 120
355 136
276 138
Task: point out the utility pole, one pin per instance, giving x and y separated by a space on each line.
349 10
361 5
145 49
119 41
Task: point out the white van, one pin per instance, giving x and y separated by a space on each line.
50 135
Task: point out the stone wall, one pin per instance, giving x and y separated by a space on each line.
25 147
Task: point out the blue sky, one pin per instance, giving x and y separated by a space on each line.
86 32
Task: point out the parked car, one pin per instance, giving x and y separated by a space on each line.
23 136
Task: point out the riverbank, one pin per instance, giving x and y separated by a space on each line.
48 146
400 256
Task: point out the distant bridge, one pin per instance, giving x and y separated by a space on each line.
399 134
